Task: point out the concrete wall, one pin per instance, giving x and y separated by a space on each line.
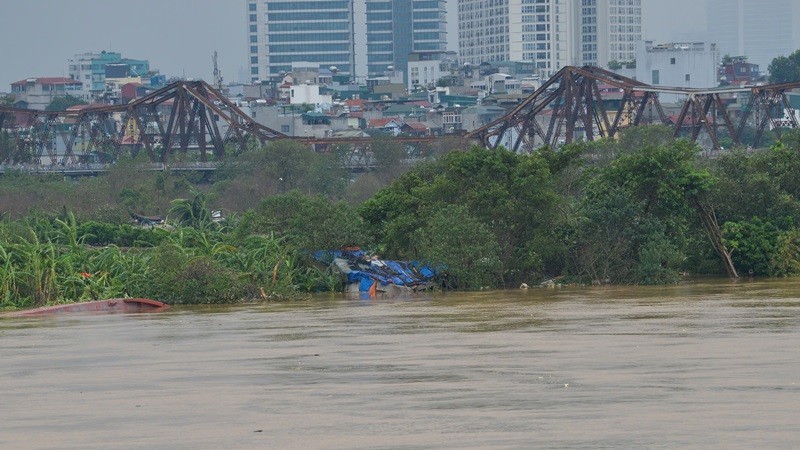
686 65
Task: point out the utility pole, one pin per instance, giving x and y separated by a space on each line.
217 73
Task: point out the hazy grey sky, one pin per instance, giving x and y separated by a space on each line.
674 20
38 37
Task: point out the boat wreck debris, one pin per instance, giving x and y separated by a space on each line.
368 275
113 305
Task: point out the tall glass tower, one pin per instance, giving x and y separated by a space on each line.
751 28
281 32
398 27
359 37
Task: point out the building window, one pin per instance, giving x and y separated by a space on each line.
688 77
284 128
672 61
656 78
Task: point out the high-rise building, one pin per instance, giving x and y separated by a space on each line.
541 31
281 32
398 27
609 31
359 37
752 29
550 33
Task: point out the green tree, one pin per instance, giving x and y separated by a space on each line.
661 191
442 244
614 242
784 69
280 167
305 222
8 147
511 195
62 103
752 244
287 162
727 59
785 260
192 212
388 154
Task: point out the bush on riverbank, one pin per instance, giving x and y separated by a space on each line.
643 209
45 261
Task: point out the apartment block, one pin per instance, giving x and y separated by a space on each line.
550 33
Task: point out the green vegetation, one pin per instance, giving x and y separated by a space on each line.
62 103
47 260
784 69
640 209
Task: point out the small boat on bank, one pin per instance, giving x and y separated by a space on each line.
112 305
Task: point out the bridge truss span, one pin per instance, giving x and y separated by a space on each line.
175 118
589 103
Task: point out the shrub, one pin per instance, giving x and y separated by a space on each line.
456 242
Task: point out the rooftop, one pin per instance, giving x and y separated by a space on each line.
47 80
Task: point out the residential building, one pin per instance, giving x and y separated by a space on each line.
426 68
550 33
738 70
609 31
37 93
92 69
542 31
752 29
308 94
688 65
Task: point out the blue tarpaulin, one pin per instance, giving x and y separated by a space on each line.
361 268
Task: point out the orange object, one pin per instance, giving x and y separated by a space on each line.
373 290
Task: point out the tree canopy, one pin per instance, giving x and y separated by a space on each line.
784 69
62 103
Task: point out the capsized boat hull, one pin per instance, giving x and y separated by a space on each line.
112 305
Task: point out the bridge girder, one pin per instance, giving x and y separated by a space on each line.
172 119
591 102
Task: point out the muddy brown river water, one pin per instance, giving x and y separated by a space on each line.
707 364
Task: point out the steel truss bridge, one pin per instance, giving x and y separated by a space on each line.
590 102
175 118
576 103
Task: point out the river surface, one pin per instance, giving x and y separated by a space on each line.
707 364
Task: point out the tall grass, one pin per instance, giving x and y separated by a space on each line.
44 261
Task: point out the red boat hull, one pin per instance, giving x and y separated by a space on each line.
112 305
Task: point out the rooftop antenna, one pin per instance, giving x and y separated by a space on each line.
217 72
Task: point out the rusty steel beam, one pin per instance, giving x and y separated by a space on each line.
189 121
572 97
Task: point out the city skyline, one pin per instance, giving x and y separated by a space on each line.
179 37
